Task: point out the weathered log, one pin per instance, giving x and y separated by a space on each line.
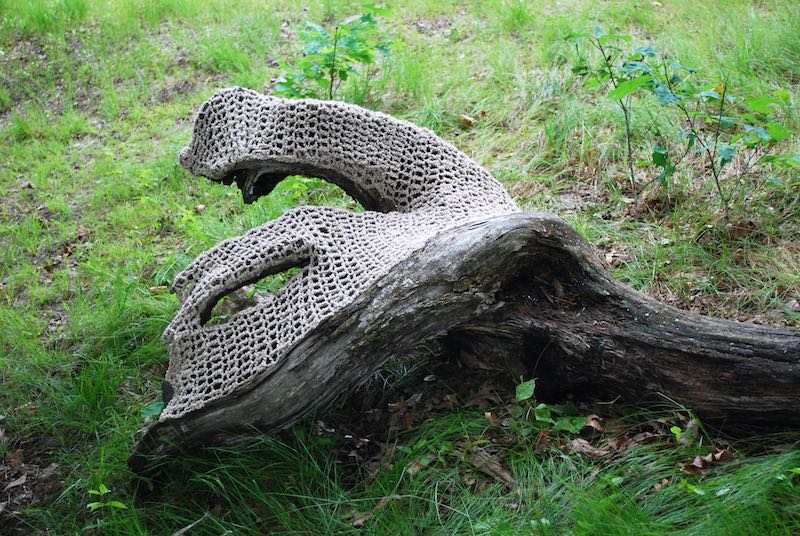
522 288
524 291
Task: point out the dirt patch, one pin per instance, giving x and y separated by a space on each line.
26 481
433 27
173 89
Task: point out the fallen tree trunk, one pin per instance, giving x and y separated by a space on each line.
525 291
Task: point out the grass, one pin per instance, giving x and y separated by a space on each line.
96 217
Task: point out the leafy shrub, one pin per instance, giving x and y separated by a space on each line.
332 57
710 120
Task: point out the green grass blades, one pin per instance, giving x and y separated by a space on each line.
97 218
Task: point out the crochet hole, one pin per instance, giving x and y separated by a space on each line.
247 296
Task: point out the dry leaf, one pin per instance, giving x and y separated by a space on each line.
701 464
48 479
661 485
643 438
618 443
491 418
593 421
466 121
624 442
159 289
542 442
408 420
18 482
485 397
359 519
16 460
323 428
405 404
384 501
417 466
414 399
581 446
695 467
491 466
613 257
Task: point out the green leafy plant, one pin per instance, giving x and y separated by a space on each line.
524 390
101 491
711 122
154 409
330 57
557 418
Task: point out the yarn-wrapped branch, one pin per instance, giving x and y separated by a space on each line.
440 253
412 184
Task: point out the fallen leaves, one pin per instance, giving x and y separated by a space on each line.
701 464
16 460
581 446
376 440
23 482
492 418
488 462
485 397
14 483
625 442
419 464
664 483
15 464
358 520
83 232
405 409
593 421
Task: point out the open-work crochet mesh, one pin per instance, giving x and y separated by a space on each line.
412 184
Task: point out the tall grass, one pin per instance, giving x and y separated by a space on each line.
97 217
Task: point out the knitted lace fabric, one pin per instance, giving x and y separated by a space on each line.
413 185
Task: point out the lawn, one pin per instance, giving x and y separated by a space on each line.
97 217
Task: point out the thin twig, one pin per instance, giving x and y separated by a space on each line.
625 113
713 154
333 62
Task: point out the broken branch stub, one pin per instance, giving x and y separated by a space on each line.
441 253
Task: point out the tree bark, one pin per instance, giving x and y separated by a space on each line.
526 292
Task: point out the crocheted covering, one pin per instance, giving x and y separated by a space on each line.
412 184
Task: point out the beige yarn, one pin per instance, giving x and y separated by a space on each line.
413 185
